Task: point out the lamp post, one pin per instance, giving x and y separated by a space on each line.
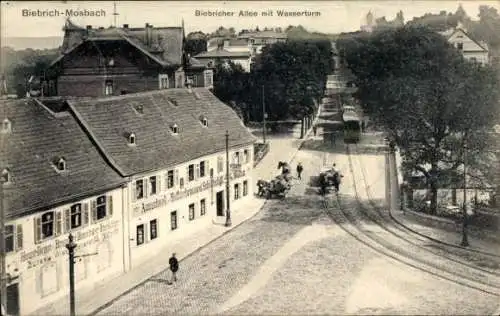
465 241
71 245
228 212
263 116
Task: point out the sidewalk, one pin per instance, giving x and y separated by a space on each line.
444 231
92 299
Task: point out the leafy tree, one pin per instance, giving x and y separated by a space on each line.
429 99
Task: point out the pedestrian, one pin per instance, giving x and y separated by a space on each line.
174 267
299 170
314 130
334 168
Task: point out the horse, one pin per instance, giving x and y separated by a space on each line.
284 166
262 185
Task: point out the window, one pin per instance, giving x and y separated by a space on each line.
191 211
153 229
460 46
220 164
237 157
131 139
75 218
5 176
101 208
181 183
6 126
61 164
204 121
209 78
152 185
202 169
246 156
203 207
173 220
139 189
9 238
191 172
236 191
170 179
108 89
48 225
140 234
245 188
211 172
163 80
175 129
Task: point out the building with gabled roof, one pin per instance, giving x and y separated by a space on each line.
55 182
119 60
471 49
170 144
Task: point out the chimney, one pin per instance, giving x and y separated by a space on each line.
125 26
146 34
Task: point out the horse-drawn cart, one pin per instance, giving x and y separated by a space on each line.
277 187
327 180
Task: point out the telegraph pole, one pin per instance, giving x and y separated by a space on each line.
263 116
465 240
71 245
228 212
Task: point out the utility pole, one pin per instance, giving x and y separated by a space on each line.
71 245
263 116
465 241
3 274
228 212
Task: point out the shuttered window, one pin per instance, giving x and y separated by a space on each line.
102 207
203 207
173 220
191 172
191 211
202 169
49 224
76 216
153 185
139 189
153 229
140 234
170 179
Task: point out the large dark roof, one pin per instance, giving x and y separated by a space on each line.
39 137
111 120
169 40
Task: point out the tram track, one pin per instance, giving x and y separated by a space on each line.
348 221
386 222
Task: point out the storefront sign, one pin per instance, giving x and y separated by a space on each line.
144 207
85 239
174 196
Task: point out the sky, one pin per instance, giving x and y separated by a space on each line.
331 16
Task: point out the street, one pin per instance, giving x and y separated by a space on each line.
296 258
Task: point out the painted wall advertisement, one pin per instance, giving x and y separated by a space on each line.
86 239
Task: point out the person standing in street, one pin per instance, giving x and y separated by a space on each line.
299 170
314 130
174 267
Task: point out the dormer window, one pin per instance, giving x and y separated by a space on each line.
131 139
204 121
138 108
460 46
5 176
6 126
175 129
61 164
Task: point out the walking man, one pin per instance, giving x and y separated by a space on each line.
314 130
174 267
299 170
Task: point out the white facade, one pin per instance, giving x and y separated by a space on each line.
169 205
470 49
37 259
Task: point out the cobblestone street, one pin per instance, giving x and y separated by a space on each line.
293 259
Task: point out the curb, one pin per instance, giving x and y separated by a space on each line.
193 252
391 215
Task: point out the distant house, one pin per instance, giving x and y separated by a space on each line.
235 50
114 61
259 39
471 49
